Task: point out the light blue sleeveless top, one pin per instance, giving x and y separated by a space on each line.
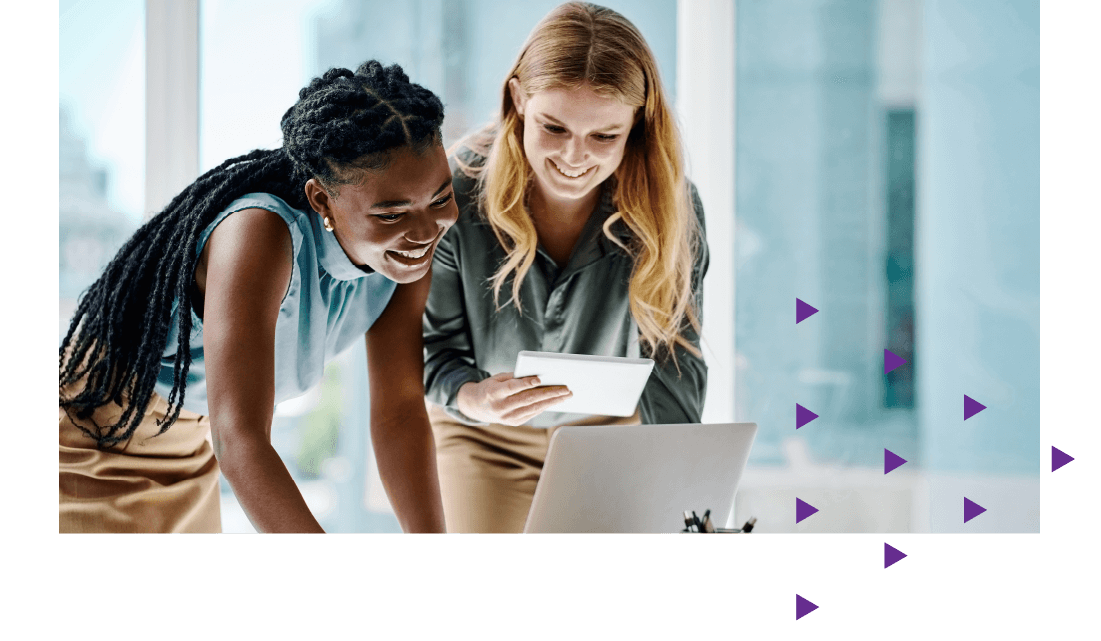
329 305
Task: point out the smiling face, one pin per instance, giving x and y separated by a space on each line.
573 138
392 220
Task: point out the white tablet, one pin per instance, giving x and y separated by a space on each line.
605 385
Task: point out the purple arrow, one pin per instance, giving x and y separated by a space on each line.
891 461
891 361
971 509
891 556
803 311
1059 458
803 607
803 509
803 416
971 407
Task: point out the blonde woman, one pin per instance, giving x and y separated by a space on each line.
577 233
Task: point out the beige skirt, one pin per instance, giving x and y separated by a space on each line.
488 474
151 483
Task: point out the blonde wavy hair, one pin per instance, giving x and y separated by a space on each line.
575 44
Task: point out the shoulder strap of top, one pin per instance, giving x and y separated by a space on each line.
257 200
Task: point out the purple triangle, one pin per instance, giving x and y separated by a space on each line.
803 607
803 509
891 461
971 407
803 311
971 509
1059 458
891 556
803 416
892 361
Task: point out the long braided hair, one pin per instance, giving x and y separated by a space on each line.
343 124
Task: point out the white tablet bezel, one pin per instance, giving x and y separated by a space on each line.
601 385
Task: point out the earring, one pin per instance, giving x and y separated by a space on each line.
328 223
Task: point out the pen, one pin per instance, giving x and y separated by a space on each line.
689 526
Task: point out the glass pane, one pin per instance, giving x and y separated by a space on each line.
825 193
102 139
888 175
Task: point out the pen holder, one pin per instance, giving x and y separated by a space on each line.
695 525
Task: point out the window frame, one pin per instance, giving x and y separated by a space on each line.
706 70
171 99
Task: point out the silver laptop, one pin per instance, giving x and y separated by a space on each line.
638 478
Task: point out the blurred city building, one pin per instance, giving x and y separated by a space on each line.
90 229
429 38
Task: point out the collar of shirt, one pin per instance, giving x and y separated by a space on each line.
592 244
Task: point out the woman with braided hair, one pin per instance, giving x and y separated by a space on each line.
234 297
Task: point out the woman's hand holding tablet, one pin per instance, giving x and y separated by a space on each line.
607 385
507 400
602 385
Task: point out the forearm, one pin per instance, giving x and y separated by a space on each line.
673 396
445 373
406 456
445 377
264 487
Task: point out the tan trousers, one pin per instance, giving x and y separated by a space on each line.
488 474
165 483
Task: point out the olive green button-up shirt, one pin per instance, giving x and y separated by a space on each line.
579 308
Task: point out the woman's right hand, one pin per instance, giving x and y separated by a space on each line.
507 400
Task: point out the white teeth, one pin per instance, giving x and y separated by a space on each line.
413 255
566 173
